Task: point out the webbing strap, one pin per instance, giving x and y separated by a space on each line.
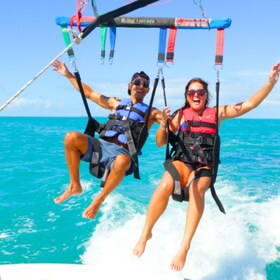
93 4
113 33
92 125
177 193
67 41
219 46
171 44
103 35
81 5
132 149
217 200
144 131
78 79
162 45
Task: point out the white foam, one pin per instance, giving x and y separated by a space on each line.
234 246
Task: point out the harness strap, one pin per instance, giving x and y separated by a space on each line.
198 124
219 46
171 44
90 130
130 108
131 147
177 193
95 10
94 168
217 200
81 5
201 156
113 32
199 140
103 36
162 45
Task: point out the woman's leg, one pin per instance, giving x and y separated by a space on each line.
195 210
157 206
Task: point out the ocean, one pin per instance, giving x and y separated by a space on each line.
243 244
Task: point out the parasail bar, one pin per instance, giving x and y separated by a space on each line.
153 22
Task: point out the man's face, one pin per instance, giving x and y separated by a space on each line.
139 88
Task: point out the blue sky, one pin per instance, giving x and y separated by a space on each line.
30 39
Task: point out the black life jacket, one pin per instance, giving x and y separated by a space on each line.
126 115
128 125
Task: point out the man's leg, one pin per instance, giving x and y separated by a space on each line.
121 165
75 144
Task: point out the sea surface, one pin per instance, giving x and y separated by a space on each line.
243 244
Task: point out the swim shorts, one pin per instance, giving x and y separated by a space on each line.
108 153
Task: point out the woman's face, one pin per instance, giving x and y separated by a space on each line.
196 96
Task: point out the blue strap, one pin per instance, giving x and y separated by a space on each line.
113 32
162 45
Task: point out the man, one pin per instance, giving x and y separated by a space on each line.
115 154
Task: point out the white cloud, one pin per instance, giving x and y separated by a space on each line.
36 103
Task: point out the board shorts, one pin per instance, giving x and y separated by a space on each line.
108 152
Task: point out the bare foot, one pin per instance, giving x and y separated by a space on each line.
69 192
141 245
92 210
179 260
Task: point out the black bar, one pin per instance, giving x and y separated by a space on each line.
115 13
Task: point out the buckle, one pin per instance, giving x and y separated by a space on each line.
199 140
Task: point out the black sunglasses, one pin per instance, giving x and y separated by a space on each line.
200 92
138 82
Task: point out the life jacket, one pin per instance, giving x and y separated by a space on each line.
196 136
126 114
128 125
197 141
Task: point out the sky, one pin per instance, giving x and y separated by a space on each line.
30 40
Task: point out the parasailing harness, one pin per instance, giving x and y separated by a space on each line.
196 141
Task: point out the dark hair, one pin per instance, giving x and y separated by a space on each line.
205 86
141 74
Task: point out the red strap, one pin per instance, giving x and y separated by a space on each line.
171 44
219 47
81 5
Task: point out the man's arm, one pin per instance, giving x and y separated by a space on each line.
156 116
103 101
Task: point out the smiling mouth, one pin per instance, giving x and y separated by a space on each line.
196 101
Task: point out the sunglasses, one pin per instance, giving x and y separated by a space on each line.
200 92
138 82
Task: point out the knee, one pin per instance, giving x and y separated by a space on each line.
166 185
199 189
76 140
122 163
70 137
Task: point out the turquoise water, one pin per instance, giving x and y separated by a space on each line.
244 244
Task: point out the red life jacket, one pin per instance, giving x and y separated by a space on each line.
197 135
199 124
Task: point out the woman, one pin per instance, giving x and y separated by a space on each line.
197 95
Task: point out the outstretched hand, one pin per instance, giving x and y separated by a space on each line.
60 67
274 74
